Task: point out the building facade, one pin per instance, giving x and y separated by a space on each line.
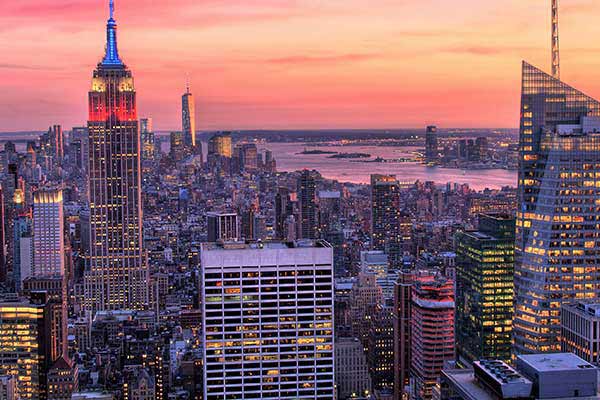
432 339
557 228
386 232
48 233
117 275
267 322
485 289
580 324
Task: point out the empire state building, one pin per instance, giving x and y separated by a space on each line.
117 274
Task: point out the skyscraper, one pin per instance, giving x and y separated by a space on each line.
48 233
57 143
431 145
188 120
386 232
220 145
147 138
557 219
267 320
117 277
307 196
432 320
484 289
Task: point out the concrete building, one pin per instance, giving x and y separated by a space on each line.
116 275
559 375
48 234
267 323
8 387
222 226
352 377
432 339
580 330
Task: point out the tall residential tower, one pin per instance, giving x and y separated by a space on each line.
117 276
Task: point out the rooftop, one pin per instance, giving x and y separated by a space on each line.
298 244
555 362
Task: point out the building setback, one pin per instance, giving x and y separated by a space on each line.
117 276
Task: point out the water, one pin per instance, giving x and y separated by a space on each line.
346 170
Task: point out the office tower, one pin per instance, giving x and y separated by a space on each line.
8 387
23 345
267 320
55 288
247 228
364 300
22 248
220 145
431 145
481 144
485 289
3 260
432 337
222 226
580 324
307 196
249 157
557 233
385 217
351 369
117 277
381 348
402 315
57 143
177 149
147 138
283 209
188 119
48 233
63 379
80 135
376 262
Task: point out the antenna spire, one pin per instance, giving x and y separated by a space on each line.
555 42
112 53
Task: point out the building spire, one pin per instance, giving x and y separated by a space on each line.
111 57
555 43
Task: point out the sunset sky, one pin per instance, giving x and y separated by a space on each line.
278 64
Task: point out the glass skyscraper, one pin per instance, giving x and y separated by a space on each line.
484 289
558 219
117 276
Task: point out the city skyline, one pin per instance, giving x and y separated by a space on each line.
322 72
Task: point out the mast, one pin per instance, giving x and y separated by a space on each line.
555 41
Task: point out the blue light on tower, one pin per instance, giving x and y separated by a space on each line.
111 58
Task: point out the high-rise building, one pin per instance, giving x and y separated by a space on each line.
55 288
57 143
283 209
222 226
48 233
23 345
188 119
557 232
117 276
3 260
386 232
267 320
485 289
432 337
307 197
580 324
402 315
352 377
220 145
431 145
177 146
147 138
8 387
